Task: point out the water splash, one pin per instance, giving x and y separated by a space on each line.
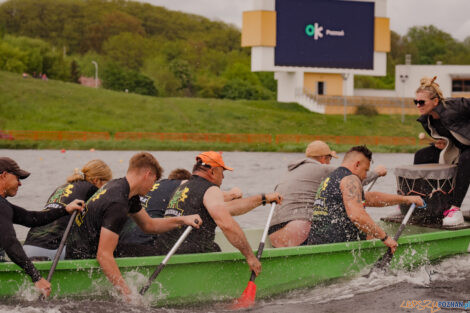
452 269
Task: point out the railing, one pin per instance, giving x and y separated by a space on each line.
359 100
210 137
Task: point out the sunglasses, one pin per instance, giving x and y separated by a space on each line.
419 102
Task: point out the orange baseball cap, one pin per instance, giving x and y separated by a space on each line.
213 159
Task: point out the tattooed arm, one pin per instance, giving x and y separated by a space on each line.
351 189
380 199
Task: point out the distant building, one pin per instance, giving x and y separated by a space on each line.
454 80
88 81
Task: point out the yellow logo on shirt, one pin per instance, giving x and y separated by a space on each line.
173 206
155 186
97 195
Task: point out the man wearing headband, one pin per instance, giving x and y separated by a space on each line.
10 175
202 195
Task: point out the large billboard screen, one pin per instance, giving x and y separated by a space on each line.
325 33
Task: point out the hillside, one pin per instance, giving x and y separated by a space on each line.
31 104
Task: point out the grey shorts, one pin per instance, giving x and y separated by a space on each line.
33 251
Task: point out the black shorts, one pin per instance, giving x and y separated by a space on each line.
275 228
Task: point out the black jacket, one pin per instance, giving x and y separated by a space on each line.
455 116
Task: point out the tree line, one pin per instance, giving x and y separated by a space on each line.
154 51
426 45
139 47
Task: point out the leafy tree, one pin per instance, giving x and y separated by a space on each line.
74 72
120 79
241 89
165 81
126 49
181 70
431 43
12 59
110 25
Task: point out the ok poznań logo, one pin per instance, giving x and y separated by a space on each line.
316 31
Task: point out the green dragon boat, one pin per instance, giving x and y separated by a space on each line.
196 278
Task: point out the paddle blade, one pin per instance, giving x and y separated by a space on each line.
247 299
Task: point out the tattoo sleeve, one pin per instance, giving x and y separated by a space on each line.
353 189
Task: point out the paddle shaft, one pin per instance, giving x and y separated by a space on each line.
372 184
60 249
61 246
387 257
263 238
165 260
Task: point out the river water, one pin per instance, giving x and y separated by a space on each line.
254 172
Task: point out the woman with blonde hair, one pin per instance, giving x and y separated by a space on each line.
447 121
43 242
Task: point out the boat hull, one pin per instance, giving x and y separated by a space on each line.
195 278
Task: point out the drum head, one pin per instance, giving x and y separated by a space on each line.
433 182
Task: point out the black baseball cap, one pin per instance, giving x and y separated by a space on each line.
10 166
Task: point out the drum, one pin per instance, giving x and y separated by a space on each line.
433 182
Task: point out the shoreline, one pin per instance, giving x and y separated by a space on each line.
153 145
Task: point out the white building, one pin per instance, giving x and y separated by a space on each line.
454 80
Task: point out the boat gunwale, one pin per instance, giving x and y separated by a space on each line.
87 264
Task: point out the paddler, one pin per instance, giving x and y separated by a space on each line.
339 214
132 240
42 242
291 220
95 232
10 176
202 195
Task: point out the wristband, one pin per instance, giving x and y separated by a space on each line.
263 199
384 238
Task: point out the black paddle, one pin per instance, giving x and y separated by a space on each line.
168 256
372 184
59 250
384 260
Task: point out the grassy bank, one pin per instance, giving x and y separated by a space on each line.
179 146
30 104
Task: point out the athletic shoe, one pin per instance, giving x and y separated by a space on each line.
453 217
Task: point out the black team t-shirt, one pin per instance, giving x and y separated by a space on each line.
50 235
107 208
155 203
188 199
330 221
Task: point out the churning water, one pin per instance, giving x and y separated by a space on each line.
254 172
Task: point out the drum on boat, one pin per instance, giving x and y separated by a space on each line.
433 182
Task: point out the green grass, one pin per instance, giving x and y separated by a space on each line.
30 104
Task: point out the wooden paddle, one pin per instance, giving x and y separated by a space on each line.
248 296
59 250
384 260
168 256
